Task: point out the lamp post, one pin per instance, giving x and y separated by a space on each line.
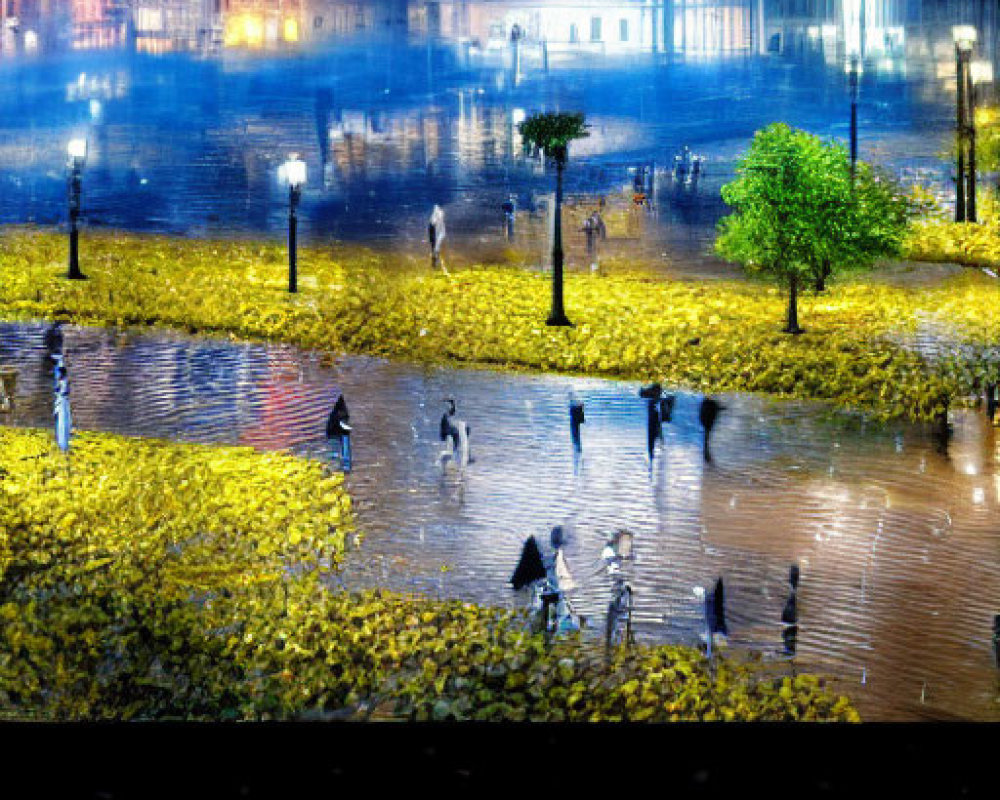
293 172
76 152
965 38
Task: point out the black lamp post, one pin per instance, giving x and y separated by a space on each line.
77 157
293 172
965 192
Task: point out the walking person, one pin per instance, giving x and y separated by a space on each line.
509 208
53 338
455 433
595 231
654 429
790 614
576 419
707 415
61 410
337 427
435 234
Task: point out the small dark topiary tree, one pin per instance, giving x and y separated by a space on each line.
552 133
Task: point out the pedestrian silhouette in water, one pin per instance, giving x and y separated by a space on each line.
654 429
996 639
715 610
455 433
53 338
509 207
337 427
790 614
666 411
576 419
707 415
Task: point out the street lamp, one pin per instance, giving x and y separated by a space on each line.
292 172
76 152
965 194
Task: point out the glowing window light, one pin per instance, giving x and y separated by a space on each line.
291 30
253 31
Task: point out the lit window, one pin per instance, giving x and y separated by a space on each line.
623 30
595 29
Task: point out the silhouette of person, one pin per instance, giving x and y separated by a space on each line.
509 208
53 338
576 419
707 415
435 234
790 614
996 639
715 607
654 429
61 410
337 427
666 410
455 432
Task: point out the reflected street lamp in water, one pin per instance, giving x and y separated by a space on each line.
293 172
965 183
853 57
76 152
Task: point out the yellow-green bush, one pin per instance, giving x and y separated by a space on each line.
141 579
718 336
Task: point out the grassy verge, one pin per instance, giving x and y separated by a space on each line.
718 337
142 579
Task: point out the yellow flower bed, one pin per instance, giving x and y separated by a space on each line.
142 579
718 336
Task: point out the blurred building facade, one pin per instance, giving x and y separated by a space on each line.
875 28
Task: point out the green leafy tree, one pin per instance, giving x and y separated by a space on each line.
552 133
798 217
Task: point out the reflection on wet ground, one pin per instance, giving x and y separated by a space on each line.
188 145
897 544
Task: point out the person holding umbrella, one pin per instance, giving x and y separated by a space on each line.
707 415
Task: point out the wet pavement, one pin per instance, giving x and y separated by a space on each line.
897 543
191 145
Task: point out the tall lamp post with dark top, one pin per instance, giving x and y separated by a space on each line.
293 172
965 38
76 152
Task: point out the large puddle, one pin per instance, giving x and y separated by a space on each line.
898 543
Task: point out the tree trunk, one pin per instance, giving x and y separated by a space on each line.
558 315
793 309
824 273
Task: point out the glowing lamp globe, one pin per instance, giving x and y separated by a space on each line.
293 172
77 151
964 35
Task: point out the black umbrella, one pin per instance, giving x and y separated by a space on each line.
530 567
